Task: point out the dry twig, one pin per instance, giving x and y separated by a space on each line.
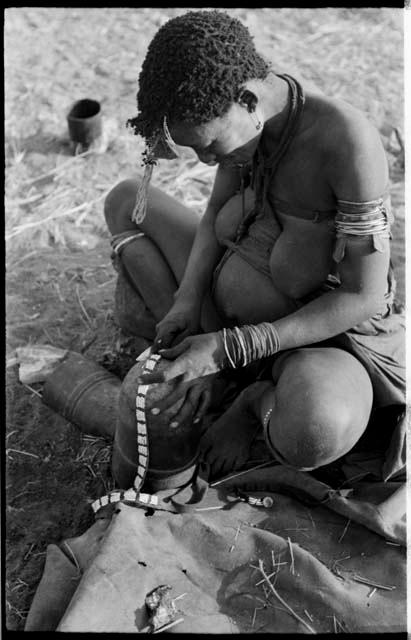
311 518
345 530
271 574
254 616
55 170
372 583
283 602
36 223
32 390
337 625
66 544
290 546
83 308
28 553
24 453
169 625
180 596
240 473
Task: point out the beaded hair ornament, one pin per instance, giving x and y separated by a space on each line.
161 144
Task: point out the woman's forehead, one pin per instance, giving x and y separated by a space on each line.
192 135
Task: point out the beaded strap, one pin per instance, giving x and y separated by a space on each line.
142 437
134 495
140 499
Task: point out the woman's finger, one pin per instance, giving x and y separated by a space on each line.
203 405
173 352
187 409
165 337
151 378
179 391
170 373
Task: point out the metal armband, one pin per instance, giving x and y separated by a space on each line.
356 219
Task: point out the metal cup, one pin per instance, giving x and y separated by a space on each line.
84 121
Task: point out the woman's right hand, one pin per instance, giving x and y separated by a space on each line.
181 321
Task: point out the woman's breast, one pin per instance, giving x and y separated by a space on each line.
230 215
243 290
280 260
301 258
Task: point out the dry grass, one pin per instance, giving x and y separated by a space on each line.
95 454
55 197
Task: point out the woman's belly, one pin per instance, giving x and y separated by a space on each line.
243 295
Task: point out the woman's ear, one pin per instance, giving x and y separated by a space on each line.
248 100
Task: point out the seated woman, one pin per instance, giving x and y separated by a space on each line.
287 274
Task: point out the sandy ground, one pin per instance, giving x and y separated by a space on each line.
60 282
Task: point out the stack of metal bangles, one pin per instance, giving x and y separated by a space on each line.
246 344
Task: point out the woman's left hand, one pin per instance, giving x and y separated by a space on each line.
187 401
194 357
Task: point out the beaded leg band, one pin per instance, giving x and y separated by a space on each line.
119 241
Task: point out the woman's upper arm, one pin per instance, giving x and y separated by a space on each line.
358 177
357 167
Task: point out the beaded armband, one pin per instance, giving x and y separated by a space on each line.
361 219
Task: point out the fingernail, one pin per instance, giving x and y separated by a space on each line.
155 411
173 424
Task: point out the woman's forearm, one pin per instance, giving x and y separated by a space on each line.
325 317
329 315
204 256
206 250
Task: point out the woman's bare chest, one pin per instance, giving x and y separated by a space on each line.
295 237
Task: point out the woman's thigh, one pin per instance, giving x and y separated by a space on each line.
322 404
170 224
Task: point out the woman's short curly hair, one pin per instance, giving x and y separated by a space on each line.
193 70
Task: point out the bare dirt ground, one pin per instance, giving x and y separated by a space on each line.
60 282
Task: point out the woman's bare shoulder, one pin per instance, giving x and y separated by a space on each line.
351 146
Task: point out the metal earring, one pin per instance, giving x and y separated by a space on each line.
256 120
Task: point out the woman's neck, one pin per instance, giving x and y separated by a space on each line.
275 105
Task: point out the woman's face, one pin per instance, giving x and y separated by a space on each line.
230 139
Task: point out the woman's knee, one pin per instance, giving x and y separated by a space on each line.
322 406
118 206
314 439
